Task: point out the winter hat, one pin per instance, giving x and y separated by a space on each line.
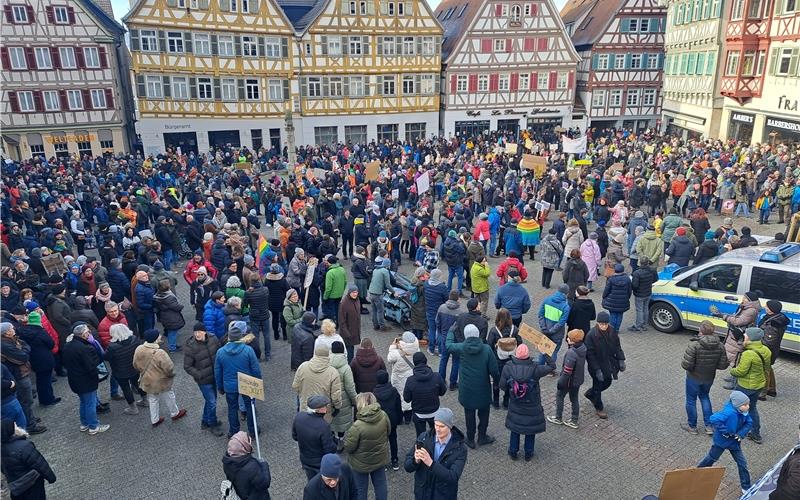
409 338
382 377
582 291
727 222
58 289
317 401
382 234
602 317
150 335
233 282
512 273
199 326
241 325
522 352
351 288
235 334
444 416
738 398
619 268
419 358
249 260
158 265
681 231
754 333
592 235
337 347
710 234
472 304
331 466
775 306
308 318
751 296
563 288
471 331
32 305
452 233
322 351
575 335
290 292
275 268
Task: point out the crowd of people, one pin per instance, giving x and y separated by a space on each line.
264 251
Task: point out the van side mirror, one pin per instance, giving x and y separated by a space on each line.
693 286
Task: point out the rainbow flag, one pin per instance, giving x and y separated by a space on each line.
530 231
262 262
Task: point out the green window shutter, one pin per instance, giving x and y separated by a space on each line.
217 90
237 45
365 45
625 25
166 85
261 50
628 61
240 84
187 42
141 87
711 66
323 43
793 62
286 93
162 41
224 5
773 60
193 87
172 3
660 63
214 45
134 40
595 60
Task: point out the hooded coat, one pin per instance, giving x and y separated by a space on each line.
314 438
303 341
365 366
478 365
292 313
650 246
198 358
317 376
250 477
21 456
551 250
590 255
744 316
603 352
680 251
344 419
276 284
120 356
572 239
367 441
401 365
525 415
169 310
617 293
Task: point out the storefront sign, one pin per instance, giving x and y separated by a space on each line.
784 124
742 117
788 104
177 127
63 139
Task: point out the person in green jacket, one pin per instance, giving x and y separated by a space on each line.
478 367
479 275
335 283
292 311
671 223
381 282
751 374
367 444
650 245
233 288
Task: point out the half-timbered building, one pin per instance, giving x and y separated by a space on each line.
210 72
65 84
366 69
507 65
759 73
693 40
621 44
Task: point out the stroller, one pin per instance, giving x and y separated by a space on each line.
397 307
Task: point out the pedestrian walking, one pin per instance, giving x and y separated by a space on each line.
365 366
436 294
344 417
199 355
573 369
399 359
168 310
350 320
423 390
575 273
553 314
581 311
381 283
317 377
303 340
156 374
258 301
731 425
604 359
81 360
744 317
513 297
276 286
552 252
703 357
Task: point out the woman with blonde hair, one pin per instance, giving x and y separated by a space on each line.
119 355
329 335
367 444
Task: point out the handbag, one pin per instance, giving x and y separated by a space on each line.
506 346
226 491
22 484
102 372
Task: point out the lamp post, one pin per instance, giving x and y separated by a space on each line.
289 126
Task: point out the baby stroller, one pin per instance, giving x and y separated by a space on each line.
397 306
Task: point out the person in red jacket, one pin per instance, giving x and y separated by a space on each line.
198 261
481 232
510 263
113 317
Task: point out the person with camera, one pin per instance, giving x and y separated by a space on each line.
438 459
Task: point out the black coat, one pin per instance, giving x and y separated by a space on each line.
303 338
603 352
440 480
316 489
423 390
120 357
617 293
525 415
581 315
642 281
573 368
470 318
250 476
169 310
706 251
314 438
80 359
259 301
389 399
41 355
20 456
198 358
16 356
680 251
120 285
277 287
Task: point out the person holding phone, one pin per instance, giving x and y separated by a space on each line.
438 459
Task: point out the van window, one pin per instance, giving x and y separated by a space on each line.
776 284
722 278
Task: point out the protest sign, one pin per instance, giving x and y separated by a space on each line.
528 144
574 146
728 206
617 167
554 147
649 149
697 484
250 386
511 149
245 165
538 339
536 163
395 193
372 170
423 183
54 264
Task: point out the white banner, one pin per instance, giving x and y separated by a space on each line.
423 183
574 146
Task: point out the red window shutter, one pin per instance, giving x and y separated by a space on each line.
30 56
71 15
486 46
55 56
534 9
510 45
514 84
453 83
534 81
12 100
542 44
80 61
571 83
109 98
87 98
5 59
529 44
498 10
9 14
494 81
51 18
103 57
31 14
62 96
551 85
38 102
473 83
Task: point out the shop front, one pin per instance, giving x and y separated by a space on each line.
781 131
740 127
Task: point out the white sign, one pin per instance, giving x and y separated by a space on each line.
574 146
423 183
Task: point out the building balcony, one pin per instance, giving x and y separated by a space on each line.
741 88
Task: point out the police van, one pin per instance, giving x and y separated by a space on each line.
683 297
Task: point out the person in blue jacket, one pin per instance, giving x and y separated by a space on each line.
436 293
494 229
731 425
234 357
213 315
553 314
513 239
513 297
144 301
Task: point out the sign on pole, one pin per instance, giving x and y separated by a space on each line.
250 386
538 339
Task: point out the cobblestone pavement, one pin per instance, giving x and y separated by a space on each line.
624 457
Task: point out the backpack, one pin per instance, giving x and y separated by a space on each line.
506 345
518 389
414 297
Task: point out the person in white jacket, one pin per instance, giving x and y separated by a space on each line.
400 361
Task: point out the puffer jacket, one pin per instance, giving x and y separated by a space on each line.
671 223
232 358
603 352
774 326
680 251
745 316
258 300
144 297
423 390
214 318
314 438
344 419
703 358
573 368
728 423
553 314
435 296
525 414
754 363
642 281
277 286
617 293
297 273
292 313
650 246
120 356
478 365
550 251
198 358
572 239
453 252
400 369
250 477
513 297
303 340
367 441
169 310
365 366
317 376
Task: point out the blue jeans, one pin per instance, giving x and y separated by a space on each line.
88 409
492 243
543 360
432 331
513 444
753 395
261 327
695 390
378 320
743 207
642 307
378 477
12 410
452 272
741 463
172 339
114 387
330 309
169 258
232 398
446 355
615 318
210 406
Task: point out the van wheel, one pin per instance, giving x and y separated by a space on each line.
664 317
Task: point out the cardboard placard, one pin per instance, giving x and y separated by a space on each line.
553 147
245 165
54 264
696 483
395 193
728 206
310 270
372 170
511 149
528 144
583 162
423 183
319 173
573 173
250 386
538 339
617 167
649 149
536 163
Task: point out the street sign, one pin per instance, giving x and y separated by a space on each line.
250 386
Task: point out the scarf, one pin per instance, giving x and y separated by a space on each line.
103 297
90 283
